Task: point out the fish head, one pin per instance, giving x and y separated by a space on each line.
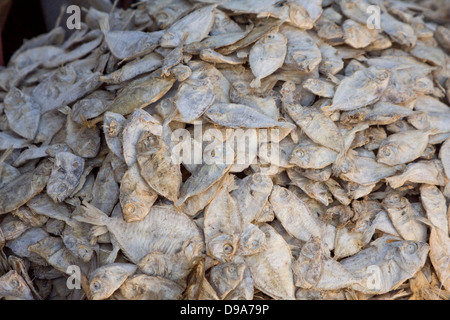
99 288
253 241
379 75
300 157
165 18
234 271
394 200
260 183
280 195
66 74
148 143
411 255
222 247
133 209
388 153
169 40
153 264
194 250
112 128
14 97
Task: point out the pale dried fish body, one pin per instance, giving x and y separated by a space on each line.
252 195
404 218
360 89
139 122
194 97
131 70
310 155
357 35
136 197
22 112
267 56
8 140
197 24
18 191
105 191
113 126
140 93
402 147
319 87
252 241
128 45
91 106
271 269
226 277
241 116
316 269
12 228
66 174
429 172
107 279
29 217
157 167
394 263
302 52
153 234
143 287
223 24
84 141
295 215
13 285
223 224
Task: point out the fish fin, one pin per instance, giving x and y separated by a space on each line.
104 24
256 83
92 215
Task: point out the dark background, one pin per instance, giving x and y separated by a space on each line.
29 18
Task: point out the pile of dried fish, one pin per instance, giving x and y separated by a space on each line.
332 118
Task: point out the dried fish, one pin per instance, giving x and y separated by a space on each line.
223 150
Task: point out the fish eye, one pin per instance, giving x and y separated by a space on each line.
96 285
14 283
129 208
300 153
284 194
162 16
228 249
411 248
255 243
231 269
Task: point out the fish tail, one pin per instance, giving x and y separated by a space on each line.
92 215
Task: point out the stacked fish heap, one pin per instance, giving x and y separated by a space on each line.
355 206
